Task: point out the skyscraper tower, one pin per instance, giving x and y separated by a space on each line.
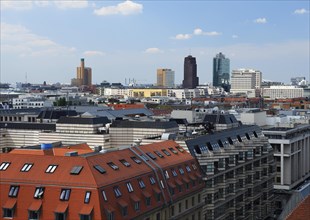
83 75
165 78
221 69
191 80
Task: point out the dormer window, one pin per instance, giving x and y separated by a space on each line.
151 155
117 191
188 168
141 183
4 165
100 169
144 157
181 170
125 163
152 180
158 154
13 191
174 173
38 193
76 170
166 152
26 167
87 197
113 166
136 160
51 169
129 187
173 150
65 194
180 149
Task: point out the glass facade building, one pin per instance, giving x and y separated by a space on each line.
221 69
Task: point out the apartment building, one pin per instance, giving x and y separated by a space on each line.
157 181
238 167
282 92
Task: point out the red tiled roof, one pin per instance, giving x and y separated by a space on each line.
90 179
302 211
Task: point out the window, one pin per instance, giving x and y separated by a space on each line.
124 210
136 160
180 207
65 194
158 216
26 167
4 165
85 217
181 170
186 204
152 156
194 166
172 210
137 206
162 184
157 195
33 215
8 213
117 191
110 215
152 180
76 170
99 169
87 197
180 149
166 174
188 168
166 152
60 216
144 157
13 191
113 166
173 150
174 173
148 201
129 187
158 154
141 183
125 163
51 169
38 193
104 195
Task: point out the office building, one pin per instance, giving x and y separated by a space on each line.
156 181
292 156
246 81
296 81
83 75
221 70
282 92
238 167
191 81
165 78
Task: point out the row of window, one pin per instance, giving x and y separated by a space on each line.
39 191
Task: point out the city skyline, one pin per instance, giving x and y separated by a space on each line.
132 39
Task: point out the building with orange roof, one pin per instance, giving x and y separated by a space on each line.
155 181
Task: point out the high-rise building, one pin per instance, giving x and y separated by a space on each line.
221 69
83 75
246 81
165 78
190 73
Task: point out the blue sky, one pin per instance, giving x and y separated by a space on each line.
131 39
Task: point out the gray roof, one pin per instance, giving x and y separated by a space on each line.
213 142
223 118
83 120
28 126
144 124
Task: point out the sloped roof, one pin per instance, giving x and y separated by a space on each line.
302 211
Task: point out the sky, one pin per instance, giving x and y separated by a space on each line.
45 40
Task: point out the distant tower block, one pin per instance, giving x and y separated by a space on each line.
83 75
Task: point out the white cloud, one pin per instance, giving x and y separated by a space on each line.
18 39
198 31
124 8
153 50
235 36
260 21
93 53
182 37
67 4
15 5
301 11
212 33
